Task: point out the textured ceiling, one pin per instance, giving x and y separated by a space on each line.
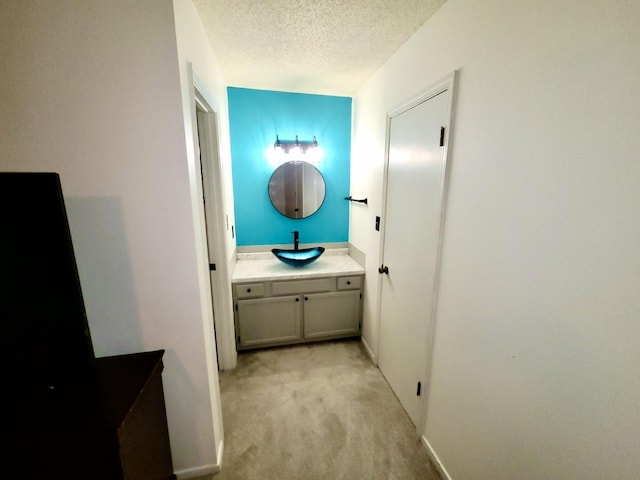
313 46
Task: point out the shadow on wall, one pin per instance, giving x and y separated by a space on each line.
102 255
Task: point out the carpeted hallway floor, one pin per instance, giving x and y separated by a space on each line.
316 411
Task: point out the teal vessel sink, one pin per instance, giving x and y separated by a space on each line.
298 258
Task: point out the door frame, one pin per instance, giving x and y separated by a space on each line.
447 83
215 218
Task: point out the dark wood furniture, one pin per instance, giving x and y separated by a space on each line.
65 414
134 404
109 426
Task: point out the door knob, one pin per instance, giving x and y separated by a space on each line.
383 269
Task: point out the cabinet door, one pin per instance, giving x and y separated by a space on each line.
267 321
332 314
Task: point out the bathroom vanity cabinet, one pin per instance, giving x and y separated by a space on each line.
281 312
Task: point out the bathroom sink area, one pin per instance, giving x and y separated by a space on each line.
298 257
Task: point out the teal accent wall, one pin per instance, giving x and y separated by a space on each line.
255 117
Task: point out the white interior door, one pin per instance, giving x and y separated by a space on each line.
412 225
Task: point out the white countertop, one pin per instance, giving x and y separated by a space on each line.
264 266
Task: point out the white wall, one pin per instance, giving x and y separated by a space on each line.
196 58
536 358
92 90
194 47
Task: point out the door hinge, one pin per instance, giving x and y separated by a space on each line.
419 389
442 136
212 267
238 340
236 307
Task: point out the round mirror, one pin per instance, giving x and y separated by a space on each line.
296 189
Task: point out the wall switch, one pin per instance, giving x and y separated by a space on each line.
377 223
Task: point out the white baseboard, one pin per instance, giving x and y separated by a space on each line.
436 461
368 350
204 470
197 472
220 452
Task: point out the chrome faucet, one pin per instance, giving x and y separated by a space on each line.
295 239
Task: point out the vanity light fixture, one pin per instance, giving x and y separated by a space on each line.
295 150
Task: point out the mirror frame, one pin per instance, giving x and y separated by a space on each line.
286 189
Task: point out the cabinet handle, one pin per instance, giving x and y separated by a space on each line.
297 299
248 290
348 282
306 298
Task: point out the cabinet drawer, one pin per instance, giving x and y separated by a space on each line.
302 286
250 290
349 283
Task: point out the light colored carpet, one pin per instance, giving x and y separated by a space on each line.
316 411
